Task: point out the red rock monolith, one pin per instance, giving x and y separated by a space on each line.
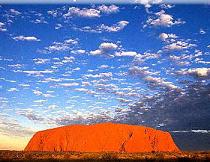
103 137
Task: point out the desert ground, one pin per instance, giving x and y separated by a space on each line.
21 156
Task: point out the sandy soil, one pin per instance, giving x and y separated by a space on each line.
77 156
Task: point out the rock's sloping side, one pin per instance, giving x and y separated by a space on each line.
104 137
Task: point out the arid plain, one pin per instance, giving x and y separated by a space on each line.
17 156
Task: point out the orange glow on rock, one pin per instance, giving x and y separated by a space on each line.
103 137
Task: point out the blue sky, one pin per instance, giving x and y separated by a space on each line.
69 63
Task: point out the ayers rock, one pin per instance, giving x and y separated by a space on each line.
103 137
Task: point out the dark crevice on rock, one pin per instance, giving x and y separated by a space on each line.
122 148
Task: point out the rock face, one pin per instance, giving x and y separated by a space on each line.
104 137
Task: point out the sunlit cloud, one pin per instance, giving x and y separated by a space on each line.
104 28
161 18
25 38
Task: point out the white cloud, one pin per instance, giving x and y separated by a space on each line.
122 100
160 81
47 95
108 46
108 9
167 6
192 131
14 12
104 28
39 101
58 26
13 90
200 131
126 53
6 80
38 18
114 28
40 61
76 69
104 67
69 84
30 114
172 43
165 36
24 85
148 3
25 38
84 12
81 89
36 72
2 27
179 45
181 60
140 58
96 52
202 61
37 92
202 31
80 51
60 46
142 71
17 66
87 91
53 79
199 72
105 48
100 75
11 127
53 106
86 84
90 12
163 19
